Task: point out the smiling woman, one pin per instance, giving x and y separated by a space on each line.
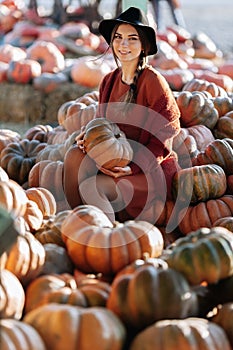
138 99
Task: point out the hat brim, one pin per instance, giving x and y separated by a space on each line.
106 27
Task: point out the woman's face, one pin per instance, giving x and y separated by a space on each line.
126 43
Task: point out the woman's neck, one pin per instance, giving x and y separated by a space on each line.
128 73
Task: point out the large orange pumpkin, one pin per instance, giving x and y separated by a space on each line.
201 134
33 216
44 199
189 334
221 80
223 104
204 214
49 174
48 55
224 126
96 245
23 71
65 295
88 71
13 198
39 132
78 115
204 85
190 141
196 108
44 284
12 296
35 173
220 152
72 327
62 111
19 335
25 258
106 144
89 293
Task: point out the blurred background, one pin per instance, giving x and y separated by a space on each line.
210 16
213 17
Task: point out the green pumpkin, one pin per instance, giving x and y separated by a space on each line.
205 255
150 294
199 183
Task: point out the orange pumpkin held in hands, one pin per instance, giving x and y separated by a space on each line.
105 143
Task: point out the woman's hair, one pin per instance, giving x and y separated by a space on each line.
131 95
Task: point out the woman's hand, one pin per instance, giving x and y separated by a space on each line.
79 139
117 171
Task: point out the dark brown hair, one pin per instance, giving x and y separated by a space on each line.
131 95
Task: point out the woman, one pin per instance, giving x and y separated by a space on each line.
139 100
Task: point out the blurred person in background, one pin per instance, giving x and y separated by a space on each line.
176 12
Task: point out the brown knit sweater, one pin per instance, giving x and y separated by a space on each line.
152 122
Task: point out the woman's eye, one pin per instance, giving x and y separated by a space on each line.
131 38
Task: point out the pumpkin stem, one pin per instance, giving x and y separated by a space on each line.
117 136
145 256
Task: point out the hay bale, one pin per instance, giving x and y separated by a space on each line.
22 103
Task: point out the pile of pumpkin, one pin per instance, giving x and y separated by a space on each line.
38 53
73 279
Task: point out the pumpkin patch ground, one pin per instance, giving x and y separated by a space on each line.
72 279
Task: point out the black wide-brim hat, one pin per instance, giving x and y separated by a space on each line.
135 17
